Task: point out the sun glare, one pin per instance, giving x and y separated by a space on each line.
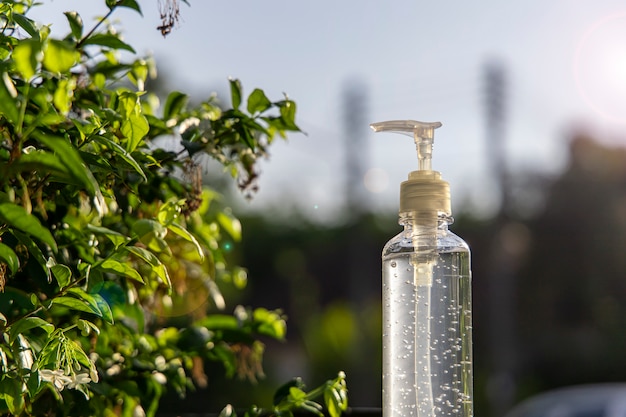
600 67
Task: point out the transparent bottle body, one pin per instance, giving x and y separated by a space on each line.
427 328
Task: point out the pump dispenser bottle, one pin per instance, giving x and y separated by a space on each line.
427 326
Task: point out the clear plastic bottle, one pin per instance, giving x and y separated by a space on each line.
427 326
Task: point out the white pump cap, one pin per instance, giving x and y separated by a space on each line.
424 192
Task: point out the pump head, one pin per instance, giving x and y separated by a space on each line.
423 134
424 192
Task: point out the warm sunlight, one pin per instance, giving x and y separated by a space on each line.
600 67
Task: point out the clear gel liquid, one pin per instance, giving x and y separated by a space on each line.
427 333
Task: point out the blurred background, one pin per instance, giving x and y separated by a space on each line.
532 97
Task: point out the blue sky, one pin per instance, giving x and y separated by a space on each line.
565 63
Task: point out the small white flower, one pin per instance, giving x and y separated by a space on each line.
187 123
78 379
138 411
93 373
160 363
114 370
26 356
56 377
159 377
240 313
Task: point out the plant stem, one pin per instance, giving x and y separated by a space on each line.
22 114
93 29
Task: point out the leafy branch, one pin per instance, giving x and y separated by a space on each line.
292 397
113 252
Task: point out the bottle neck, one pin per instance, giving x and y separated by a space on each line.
413 220
423 229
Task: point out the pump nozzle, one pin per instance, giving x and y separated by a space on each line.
422 132
424 192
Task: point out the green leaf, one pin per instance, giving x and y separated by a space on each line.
145 229
227 357
116 238
245 134
87 327
252 125
283 391
139 74
12 389
74 164
135 126
89 303
235 93
120 268
25 324
258 102
331 400
83 295
169 211
155 241
8 102
33 385
27 24
108 40
70 158
288 114
270 323
40 96
122 153
49 355
77 353
62 273
75 304
104 307
76 24
153 261
9 257
239 278
185 234
34 251
175 103
334 401
230 224
297 394
193 148
60 56
83 327
41 161
142 253
26 57
63 94
219 322
131 4
17 217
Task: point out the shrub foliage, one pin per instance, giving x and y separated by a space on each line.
112 250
